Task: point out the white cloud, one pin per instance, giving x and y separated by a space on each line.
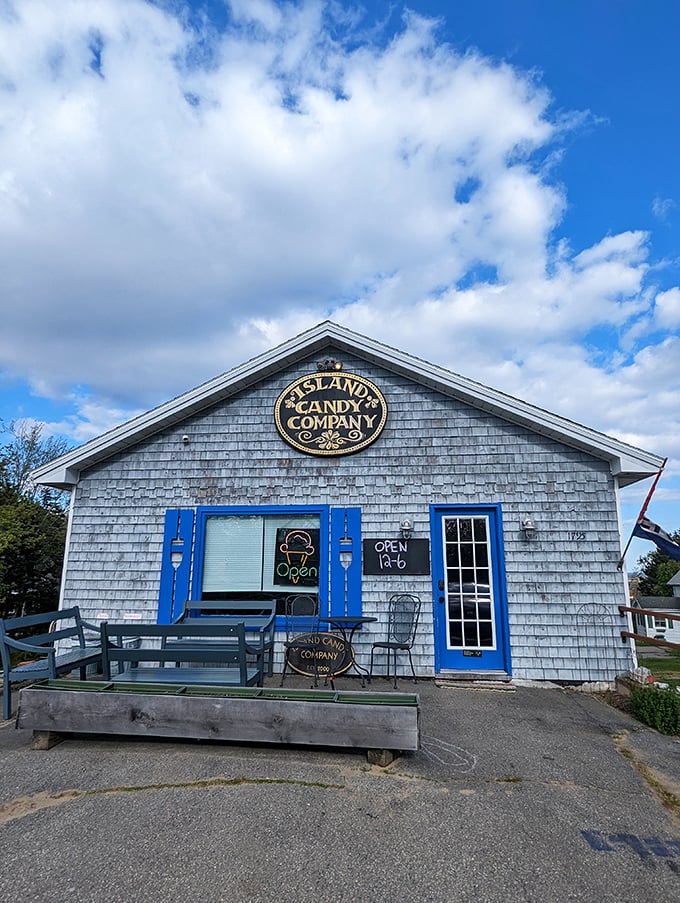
667 309
662 208
302 173
91 418
162 220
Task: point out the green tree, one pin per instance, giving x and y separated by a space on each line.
23 452
32 539
655 570
32 523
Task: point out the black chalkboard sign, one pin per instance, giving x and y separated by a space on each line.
396 556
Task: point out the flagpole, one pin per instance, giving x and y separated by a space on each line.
641 514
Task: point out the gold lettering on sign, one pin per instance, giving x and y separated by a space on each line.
330 414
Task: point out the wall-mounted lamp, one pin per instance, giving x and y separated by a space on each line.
329 363
345 551
529 528
176 552
185 439
345 555
406 528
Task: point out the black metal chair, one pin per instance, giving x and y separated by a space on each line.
402 624
303 637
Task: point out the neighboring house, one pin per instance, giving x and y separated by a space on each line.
657 626
336 465
674 584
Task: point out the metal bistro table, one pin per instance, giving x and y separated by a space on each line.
348 625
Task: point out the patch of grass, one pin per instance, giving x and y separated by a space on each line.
666 669
668 799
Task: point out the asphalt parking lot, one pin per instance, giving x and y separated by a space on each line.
518 794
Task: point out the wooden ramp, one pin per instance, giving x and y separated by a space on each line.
381 723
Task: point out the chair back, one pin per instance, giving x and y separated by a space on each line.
404 612
301 607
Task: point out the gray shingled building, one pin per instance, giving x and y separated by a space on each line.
340 467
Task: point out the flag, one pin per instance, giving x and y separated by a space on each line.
641 517
646 529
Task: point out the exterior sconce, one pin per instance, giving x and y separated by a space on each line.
406 528
329 363
345 555
176 552
345 551
529 528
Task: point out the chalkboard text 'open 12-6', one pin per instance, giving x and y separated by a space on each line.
396 556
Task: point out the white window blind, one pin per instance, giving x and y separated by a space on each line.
233 554
239 550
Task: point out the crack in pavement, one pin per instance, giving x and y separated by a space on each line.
27 805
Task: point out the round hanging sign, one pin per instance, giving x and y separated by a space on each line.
330 413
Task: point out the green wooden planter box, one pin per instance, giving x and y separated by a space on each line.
359 719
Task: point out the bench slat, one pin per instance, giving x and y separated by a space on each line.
54 636
45 617
229 607
228 677
63 664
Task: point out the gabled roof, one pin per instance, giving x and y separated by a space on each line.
658 603
628 463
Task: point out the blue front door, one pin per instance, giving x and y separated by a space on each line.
470 609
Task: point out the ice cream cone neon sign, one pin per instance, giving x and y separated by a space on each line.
297 547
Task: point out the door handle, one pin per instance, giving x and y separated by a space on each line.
441 600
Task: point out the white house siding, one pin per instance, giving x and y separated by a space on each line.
670 633
659 627
433 450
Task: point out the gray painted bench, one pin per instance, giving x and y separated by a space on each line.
215 654
258 617
57 626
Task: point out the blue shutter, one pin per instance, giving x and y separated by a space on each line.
345 524
174 588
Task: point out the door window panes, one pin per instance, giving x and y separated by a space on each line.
469 591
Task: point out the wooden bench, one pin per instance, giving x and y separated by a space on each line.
227 607
48 663
258 617
217 654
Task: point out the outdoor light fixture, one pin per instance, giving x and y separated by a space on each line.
345 555
529 528
345 551
176 552
329 363
406 528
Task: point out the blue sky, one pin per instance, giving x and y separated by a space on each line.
491 186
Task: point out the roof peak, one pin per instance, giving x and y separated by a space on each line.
628 463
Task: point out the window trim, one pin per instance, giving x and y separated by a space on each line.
323 512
